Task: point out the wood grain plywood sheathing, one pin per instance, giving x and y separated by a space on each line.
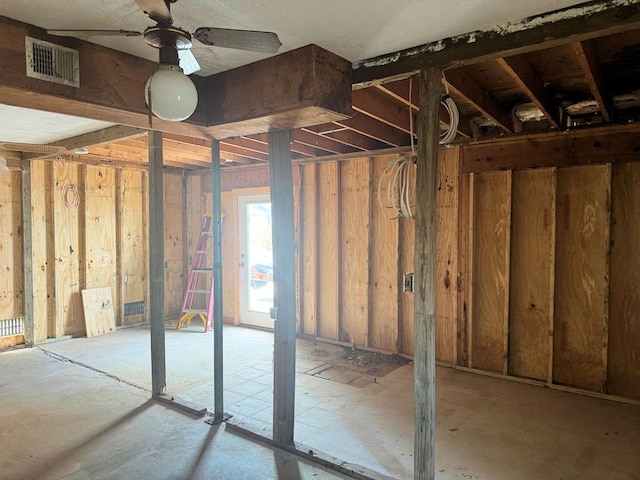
308 249
328 225
384 310
532 271
354 251
624 319
446 295
41 221
69 319
406 244
462 277
11 269
491 239
98 311
133 241
100 227
582 276
173 245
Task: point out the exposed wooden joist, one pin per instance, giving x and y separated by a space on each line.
425 273
521 71
400 91
375 129
383 108
312 139
593 73
576 23
296 147
353 139
99 137
468 88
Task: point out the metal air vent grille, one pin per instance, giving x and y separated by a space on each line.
52 63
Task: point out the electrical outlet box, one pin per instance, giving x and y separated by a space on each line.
407 282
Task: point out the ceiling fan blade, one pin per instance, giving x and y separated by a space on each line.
94 33
158 10
188 62
253 41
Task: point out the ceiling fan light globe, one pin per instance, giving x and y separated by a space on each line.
173 95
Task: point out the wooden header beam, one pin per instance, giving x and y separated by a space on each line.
577 23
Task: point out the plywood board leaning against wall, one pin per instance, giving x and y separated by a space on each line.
624 319
581 278
98 311
230 282
532 272
354 251
491 217
11 296
383 269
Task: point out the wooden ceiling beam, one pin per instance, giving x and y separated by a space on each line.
400 91
593 73
468 88
315 140
521 72
375 129
588 20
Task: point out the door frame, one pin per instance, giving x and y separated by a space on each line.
237 193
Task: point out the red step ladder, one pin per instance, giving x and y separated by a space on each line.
192 292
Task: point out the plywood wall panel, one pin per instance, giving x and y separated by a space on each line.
624 319
328 235
581 279
532 270
491 232
100 227
11 265
462 278
41 222
69 254
405 325
354 251
446 294
307 250
133 242
384 259
174 255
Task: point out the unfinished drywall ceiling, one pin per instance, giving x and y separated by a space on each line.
354 30
21 125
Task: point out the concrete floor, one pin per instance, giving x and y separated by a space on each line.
486 428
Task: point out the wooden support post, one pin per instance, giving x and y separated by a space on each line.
284 368
218 387
424 264
156 264
27 255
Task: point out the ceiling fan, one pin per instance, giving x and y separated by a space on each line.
170 93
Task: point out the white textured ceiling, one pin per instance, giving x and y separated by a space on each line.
353 29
